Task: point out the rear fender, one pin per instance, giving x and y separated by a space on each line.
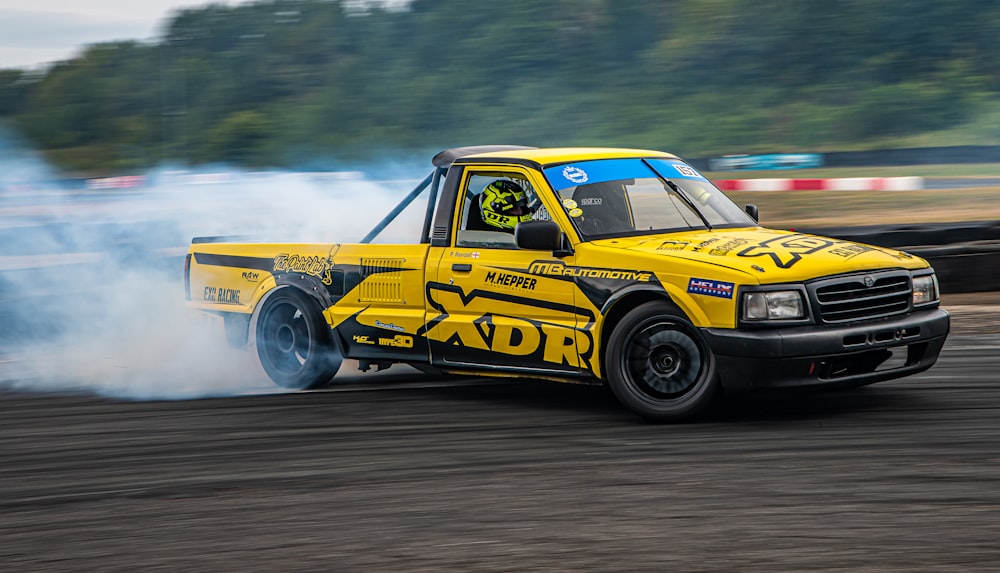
312 286
308 284
240 328
278 286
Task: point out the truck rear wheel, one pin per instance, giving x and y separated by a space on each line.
659 366
294 342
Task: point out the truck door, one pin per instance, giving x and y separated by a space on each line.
492 304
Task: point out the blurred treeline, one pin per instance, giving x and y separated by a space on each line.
294 82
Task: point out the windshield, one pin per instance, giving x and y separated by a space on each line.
617 197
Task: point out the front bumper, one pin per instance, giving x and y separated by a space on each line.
829 356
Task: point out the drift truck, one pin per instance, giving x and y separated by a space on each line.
622 267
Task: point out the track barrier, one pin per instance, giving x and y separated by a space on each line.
832 184
965 256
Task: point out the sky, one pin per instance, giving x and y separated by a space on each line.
35 33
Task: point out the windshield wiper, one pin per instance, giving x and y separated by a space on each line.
680 193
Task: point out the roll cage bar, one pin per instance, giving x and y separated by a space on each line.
441 162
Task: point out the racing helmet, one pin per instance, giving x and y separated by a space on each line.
504 204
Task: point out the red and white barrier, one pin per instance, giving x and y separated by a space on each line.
841 184
123 182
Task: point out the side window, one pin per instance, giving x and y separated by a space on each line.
494 202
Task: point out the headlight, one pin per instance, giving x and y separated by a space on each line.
773 305
925 289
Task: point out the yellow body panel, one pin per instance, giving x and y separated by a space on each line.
233 277
555 155
508 310
392 291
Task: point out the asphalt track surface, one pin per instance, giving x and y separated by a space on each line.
413 473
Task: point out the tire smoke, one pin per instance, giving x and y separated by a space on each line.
91 295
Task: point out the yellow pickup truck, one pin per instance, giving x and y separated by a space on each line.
595 265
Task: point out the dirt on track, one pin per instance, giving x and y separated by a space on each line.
974 313
515 476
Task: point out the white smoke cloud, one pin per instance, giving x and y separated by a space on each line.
91 279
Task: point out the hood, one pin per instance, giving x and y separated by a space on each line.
771 256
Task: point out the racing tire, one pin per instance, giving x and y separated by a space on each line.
294 343
659 365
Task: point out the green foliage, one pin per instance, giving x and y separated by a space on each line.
240 138
14 86
282 82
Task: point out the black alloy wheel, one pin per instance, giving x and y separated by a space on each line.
294 342
659 365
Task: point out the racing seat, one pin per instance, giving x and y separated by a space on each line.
475 222
605 208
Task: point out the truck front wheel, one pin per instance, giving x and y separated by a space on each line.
659 365
294 342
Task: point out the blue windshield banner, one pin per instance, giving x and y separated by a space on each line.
673 169
598 171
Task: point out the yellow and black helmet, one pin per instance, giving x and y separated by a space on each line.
504 204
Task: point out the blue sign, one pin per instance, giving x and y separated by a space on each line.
770 161
711 288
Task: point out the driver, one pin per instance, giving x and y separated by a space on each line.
503 204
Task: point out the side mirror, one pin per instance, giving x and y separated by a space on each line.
538 236
753 212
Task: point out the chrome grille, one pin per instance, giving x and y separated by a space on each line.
849 298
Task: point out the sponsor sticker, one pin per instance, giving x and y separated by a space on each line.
686 170
389 325
523 341
569 203
575 174
723 249
221 295
850 251
312 265
559 269
398 341
785 251
672 246
510 280
709 287
575 212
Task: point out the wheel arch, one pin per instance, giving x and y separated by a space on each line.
308 285
617 308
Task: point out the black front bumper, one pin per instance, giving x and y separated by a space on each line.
829 355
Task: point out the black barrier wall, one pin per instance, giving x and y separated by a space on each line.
914 156
965 256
